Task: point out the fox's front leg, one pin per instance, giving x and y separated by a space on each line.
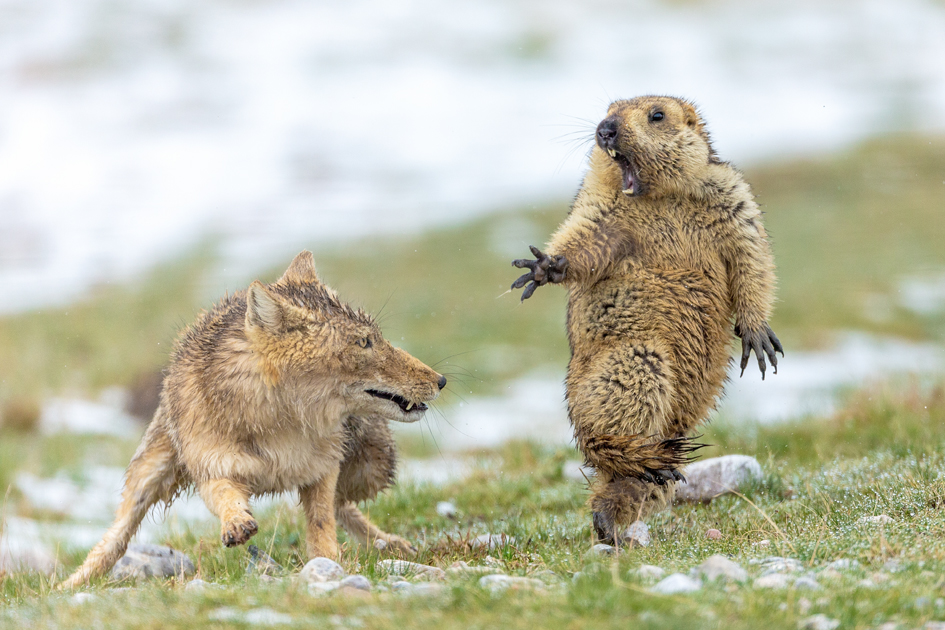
318 502
229 501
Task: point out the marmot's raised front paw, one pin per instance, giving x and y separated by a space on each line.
763 341
544 269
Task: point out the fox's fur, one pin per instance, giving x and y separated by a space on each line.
279 387
663 247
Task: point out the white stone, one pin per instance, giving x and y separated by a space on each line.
405 567
844 564
266 617
500 582
321 588
808 583
600 549
146 561
357 581
879 519
196 586
637 535
82 598
709 478
492 541
322 570
818 622
462 568
777 564
446 509
718 566
225 613
650 572
773 580
676 583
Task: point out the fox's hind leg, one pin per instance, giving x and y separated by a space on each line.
369 467
229 501
620 404
153 475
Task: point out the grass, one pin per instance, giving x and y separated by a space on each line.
808 506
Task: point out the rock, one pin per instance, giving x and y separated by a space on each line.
650 572
547 576
322 570
718 566
446 509
266 617
322 588
225 613
461 568
357 581
818 622
637 535
676 583
576 471
260 563
405 567
401 585
713 534
762 543
82 598
146 561
196 586
879 519
777 564
709 478
808 583
600 549
492 541
500 582
773 580
843 564
426 588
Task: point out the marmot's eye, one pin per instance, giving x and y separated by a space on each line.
656 116
364 342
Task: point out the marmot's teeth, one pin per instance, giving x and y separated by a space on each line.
612 152
628 191
409 406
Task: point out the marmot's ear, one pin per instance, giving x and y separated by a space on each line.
301 270
263 309
692 116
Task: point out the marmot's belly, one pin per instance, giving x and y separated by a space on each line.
678 310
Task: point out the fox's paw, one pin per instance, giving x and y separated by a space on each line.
395 544
543 270
239 529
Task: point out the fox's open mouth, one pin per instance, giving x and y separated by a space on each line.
629 171
405 405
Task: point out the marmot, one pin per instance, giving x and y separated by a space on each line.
279 387
662 248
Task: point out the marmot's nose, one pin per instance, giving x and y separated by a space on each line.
441 383
607 132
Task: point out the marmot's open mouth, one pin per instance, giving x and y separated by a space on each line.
627 169
405 405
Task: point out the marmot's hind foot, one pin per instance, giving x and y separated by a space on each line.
639 457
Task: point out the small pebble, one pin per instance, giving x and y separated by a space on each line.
818 622
713 534
322 570
844 564
266 617
446 509
461 568
808 583
879 519
196 586
357 581
650 572
762 543
637 535
773 580
600 549
718 566
676 583
500 582
82 598
405 567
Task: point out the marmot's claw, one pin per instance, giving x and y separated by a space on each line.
763 342
543 269
527 293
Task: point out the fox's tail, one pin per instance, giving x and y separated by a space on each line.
153 475
639 456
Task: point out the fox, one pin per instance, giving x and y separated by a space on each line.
282 386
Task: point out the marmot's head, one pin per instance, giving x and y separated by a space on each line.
652 145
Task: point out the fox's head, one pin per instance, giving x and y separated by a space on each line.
306 337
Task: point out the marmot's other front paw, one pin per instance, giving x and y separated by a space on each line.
239 529
763 341
543 270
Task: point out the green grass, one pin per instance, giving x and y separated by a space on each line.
808 507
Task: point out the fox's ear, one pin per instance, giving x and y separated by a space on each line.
301 269
263 309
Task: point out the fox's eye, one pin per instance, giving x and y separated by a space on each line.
365 342
656 116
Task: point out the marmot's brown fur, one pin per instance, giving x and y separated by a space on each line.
663 247
279 387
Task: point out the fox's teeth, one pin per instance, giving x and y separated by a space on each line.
628 191
409 406
612 152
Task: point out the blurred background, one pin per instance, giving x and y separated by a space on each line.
155 154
